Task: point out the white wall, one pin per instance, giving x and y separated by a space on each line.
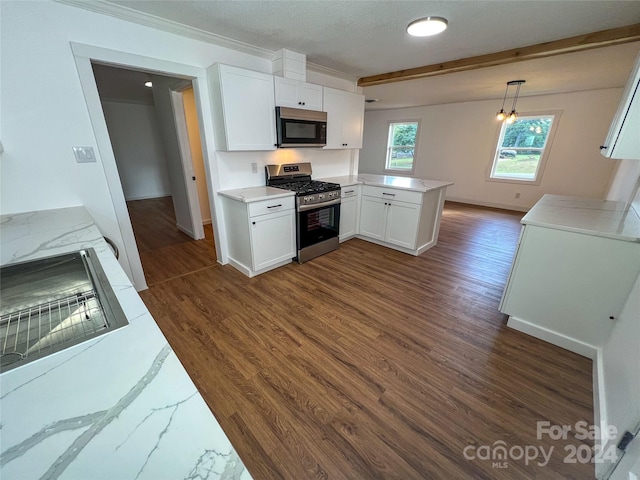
457 143
137 145
235 167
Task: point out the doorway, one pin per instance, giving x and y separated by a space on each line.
154 133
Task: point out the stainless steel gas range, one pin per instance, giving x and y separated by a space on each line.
317 208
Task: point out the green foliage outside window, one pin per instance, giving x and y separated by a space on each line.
401 146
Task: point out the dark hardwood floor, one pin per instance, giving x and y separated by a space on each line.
367 363
165 251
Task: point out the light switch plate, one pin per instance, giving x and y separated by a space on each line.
84 154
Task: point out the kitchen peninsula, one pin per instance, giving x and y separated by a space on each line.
402 213
118 406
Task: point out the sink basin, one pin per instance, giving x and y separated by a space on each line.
53 303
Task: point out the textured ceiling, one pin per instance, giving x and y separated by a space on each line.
361 38
364 38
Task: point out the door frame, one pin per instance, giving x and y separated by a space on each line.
83 55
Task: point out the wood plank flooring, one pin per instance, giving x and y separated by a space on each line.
367 363
165 251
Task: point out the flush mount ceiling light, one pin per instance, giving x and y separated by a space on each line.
511 116
424 27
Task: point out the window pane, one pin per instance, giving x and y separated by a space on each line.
401 146
521 147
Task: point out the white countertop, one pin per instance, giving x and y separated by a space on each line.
404 183
114 407
255 194
590 216
343 180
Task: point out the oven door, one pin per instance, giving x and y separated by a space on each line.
318 223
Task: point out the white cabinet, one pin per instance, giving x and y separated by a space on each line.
243 107
345 118
568 288
296 94
405 220
623 140
349 209
261 234
389 219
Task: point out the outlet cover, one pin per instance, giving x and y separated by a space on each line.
84 154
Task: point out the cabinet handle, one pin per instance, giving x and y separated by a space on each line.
603 147
389 194
275 206
253 223
299 103
349 191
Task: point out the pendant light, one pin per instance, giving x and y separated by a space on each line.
511 116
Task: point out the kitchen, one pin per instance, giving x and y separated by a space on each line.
45 53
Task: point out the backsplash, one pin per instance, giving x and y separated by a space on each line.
235 167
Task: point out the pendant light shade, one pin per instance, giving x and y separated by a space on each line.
427 26
513 115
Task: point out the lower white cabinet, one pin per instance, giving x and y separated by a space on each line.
405 220
261 234
349 210
568 288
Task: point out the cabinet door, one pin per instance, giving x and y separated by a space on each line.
571 283
348 217
332 104
249 109
402 224
373 217
272 239
287 92
310 96
352 120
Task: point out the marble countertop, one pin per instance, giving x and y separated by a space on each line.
404 183
590 216
343 180
114 407
255 194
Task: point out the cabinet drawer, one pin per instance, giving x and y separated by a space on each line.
347 192
270 206
392 194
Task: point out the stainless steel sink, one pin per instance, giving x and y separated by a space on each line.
53 303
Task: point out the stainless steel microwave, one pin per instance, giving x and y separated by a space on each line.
300 128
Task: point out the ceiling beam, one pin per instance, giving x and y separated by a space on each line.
604 38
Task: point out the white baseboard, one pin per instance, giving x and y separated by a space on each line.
555 338
501 206
148 197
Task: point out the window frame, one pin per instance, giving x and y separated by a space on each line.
395 171
537 180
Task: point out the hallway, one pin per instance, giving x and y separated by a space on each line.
165 251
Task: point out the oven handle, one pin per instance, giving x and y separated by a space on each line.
304 208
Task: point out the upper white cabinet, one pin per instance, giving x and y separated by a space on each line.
243 106
345 118
623 140
296 94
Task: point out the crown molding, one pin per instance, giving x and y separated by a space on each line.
331 72
128 14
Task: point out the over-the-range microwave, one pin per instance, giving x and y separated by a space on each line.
301 128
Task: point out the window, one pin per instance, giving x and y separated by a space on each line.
401 147
522 148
